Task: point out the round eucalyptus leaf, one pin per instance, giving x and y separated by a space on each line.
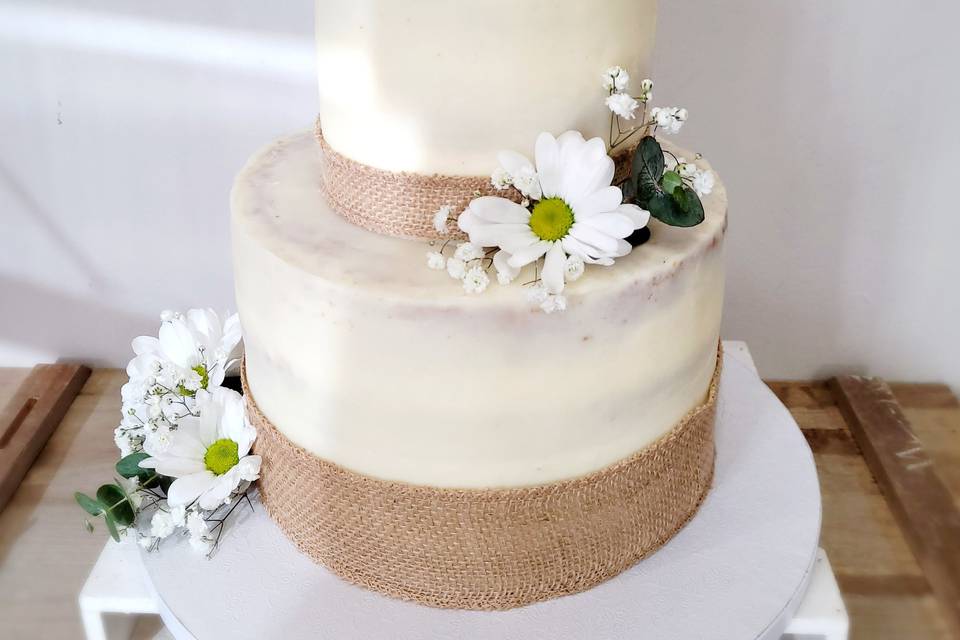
129 466
115 504
88 504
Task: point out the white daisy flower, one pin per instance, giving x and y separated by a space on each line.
687 169
703 183
195 347
436 261
468 251
615 79
209 455
623 104
475 280
580 214
456 268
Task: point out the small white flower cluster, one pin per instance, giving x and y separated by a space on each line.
467 265
701 180
669 119
193 522
194 351
175 385
619 101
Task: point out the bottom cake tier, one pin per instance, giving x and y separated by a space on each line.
487 549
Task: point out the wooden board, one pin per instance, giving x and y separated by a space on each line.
918 499
884 588
31 417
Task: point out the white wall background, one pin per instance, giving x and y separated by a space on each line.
833 123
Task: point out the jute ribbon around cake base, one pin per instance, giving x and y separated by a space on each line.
487 549
402 204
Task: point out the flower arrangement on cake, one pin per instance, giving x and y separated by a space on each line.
568 209
184 437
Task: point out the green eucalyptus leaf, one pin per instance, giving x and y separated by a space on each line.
647 161
116 504
88 504
129 466
647 171
671 181
692 206
111 527
680 197
669 209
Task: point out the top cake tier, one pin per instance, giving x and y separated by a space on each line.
434 86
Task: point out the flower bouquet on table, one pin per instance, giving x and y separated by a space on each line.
568 208
184 437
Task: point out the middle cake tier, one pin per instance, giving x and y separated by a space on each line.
365 358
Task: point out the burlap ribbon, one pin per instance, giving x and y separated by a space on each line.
492 548
403 204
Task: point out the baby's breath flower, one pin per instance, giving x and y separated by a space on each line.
456 268
468 251
623 104
441 218
574 268
436 261
553 303
475 280
501 179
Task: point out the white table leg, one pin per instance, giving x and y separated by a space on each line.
115 593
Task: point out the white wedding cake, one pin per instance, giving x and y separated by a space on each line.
502 421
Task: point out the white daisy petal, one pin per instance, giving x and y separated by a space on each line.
220 489
505 272
185 490
548 164
623 248
573 246
179 344
639 217
494 209
554 266
601 201
592 236
514 162
612 224
501 235
175 467
526 255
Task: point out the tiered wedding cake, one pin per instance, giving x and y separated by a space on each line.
442 445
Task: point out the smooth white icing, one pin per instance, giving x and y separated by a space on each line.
440 86
360 354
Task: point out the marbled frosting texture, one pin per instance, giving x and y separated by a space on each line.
360 354
439 86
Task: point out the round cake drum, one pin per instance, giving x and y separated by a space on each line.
737 570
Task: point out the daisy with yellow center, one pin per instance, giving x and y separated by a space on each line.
575 213
208 454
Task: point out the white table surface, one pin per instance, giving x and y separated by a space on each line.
740 569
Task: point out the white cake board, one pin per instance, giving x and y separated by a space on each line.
738 570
